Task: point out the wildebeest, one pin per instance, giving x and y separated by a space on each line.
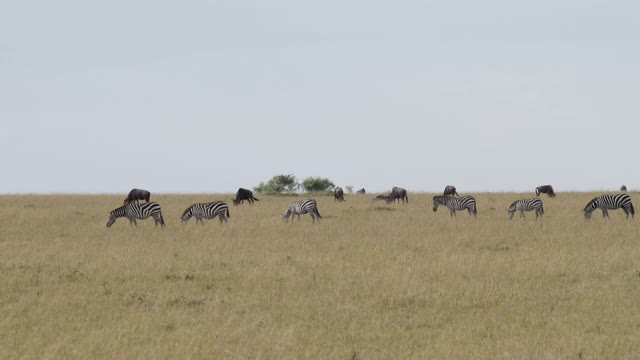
361 191
338 194
545 189
399 194
623 188
387 198
242 195
450 190
136 195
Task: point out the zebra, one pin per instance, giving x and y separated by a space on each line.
133 211
361 191
456 203
526 205
338 194
302 207
450 190
137 194
545 189
623 188
606 202
399 193
242 195
206 211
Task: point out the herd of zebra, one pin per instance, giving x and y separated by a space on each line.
133 209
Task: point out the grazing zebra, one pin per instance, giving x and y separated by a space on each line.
526 205
545 189
338 194
302 207
456 203
606 202
450 190
623 188
206 211
242 195
133 211
361 191
137 194
399 193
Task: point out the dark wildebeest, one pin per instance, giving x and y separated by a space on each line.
398 194
242 195
387 198
450 190
623 188
545 189
361 191
136 195
338 194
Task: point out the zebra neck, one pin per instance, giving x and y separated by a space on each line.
119 212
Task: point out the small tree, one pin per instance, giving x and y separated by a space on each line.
278 184
317 184
349 189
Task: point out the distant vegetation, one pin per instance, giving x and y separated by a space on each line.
287 184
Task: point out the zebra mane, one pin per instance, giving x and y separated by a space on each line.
118 210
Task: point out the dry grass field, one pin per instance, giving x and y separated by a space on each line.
371 281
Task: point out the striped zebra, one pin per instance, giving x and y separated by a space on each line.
206 211
456 203
607 202
526 205
133 211
302 207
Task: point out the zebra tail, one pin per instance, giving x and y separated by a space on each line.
318 213
256 199
161 220
631 209
228 213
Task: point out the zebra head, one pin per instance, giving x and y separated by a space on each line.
186 215
436 202
511 211
112 219
285 215
589 209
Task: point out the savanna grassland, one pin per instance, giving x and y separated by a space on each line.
371 281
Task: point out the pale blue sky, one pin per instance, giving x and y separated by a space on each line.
208 96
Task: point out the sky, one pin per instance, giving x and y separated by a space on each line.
209 96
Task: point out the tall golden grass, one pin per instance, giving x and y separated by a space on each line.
370 281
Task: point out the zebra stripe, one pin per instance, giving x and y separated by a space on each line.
302 207
526 205
456 203
610 202
133 211
206 211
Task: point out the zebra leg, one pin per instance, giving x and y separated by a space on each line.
605 213
522 213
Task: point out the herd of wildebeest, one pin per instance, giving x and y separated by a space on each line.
133 209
